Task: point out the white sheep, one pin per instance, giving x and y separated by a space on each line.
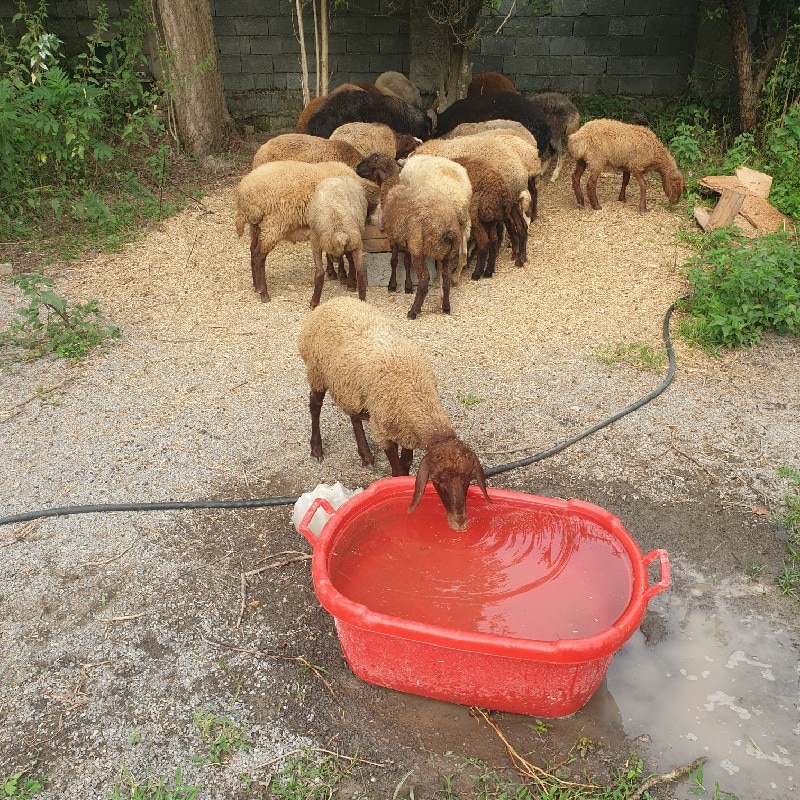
376 137
336 218
420 222
374 372
273 200
451 180
470 128
607 144
304 147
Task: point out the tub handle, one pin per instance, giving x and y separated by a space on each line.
663 584
303 527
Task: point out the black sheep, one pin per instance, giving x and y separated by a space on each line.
356 106
498 105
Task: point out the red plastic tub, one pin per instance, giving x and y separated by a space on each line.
522 612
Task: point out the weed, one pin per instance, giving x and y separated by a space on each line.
48 325
754 572
468 400
223 735
310 776
789 578
151 788
635 354
698 788
20 786
539 726
742 287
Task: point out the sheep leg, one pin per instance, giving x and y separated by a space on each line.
626 176
330 271
481 237
444 268
394 460
315 399
518 230
392 287
591 190
409 286
557 168
258 260
495 231
361 440
533 188
344 279
357 266
319 277
642 191
577 174
423 279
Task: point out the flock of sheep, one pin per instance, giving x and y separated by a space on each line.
436 184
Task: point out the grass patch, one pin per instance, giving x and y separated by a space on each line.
20 786
635 354
310 776
222 734
789 519
129 787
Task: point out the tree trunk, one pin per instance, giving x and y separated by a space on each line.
743 62
204 125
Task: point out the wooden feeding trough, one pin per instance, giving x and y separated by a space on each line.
743 201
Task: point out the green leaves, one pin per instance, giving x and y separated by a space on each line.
741 288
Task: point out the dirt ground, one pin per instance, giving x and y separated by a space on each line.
118 628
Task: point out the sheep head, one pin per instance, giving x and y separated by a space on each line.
674 185
377 167
450 465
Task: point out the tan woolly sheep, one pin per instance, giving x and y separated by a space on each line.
420 222
395 84
607 144
336 218
373 372
376 137
304 147
273 200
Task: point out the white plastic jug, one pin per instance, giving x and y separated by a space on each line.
335 494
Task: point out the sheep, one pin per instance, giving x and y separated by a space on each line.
563 118
273 200
336 216
451 180
504 158
493 207
375 137
359 106
418 220
488 82
373 372
302 120
470 128
498 105
607 144
395 84
304 147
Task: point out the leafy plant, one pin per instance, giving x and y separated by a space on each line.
151 788
742 287
789 578
48 325
223 735
20 786
310 776
636 354
468 400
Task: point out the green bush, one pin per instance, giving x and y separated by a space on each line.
742 287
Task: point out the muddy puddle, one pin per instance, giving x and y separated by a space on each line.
704 676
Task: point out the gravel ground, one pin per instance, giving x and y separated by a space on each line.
112 623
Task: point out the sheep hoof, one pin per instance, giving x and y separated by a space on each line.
445 310
412 314
410 290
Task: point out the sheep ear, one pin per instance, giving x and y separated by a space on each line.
422 479
480 478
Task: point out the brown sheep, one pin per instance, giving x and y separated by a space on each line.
304 147
418 220
489 82
376 137
607 144
375 373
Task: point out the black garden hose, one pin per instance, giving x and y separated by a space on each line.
282 501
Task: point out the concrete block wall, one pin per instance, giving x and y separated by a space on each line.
631 47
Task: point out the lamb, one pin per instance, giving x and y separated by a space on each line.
607 144
450 179
563 118
498 105
493 207
273 200
304 147
336 216
375 137
374 373
395 84
419 221
488 82
359 106
505 159
302 120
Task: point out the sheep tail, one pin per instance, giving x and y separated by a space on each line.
241 221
